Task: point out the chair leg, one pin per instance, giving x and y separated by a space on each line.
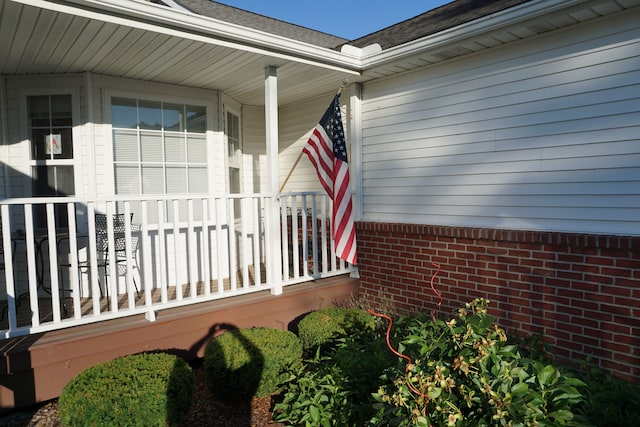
136 286
63 303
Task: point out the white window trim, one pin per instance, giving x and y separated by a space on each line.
109 94
233 108
76 130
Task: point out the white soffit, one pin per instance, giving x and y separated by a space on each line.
148 16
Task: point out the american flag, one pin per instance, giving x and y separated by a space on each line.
327 150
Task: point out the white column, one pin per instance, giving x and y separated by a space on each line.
355 139
273 245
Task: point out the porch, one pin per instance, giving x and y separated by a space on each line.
61 268
36 367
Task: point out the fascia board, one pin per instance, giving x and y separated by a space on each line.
474 28
144 15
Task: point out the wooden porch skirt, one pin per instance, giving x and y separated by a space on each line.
35 368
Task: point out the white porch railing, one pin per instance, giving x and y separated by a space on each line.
60 268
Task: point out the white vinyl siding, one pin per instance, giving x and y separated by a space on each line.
254 152
296 123
543 134
294 127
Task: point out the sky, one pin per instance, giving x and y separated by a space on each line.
349 19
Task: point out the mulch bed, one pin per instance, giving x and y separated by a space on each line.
205 410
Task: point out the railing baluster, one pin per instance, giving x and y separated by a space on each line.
176 260
284 233
231 236
219 244
228 243
112 281
314 236
74 278
257 271
53 262
191 251
96 292
205 259
243 241
128 254
147 283
162 264
8 268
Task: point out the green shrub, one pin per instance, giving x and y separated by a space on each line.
143 389
462 373
243 363
317 396
322 326
610 401
334 389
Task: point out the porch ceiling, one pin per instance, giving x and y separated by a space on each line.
40 40
143 41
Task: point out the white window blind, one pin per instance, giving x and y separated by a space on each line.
159 148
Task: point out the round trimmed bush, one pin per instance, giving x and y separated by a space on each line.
322 326
150 389
243 363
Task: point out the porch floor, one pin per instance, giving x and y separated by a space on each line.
35 368
45 305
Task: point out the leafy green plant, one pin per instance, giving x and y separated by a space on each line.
145 389
610 401
334 388
462 373
316 396
242 363
323 326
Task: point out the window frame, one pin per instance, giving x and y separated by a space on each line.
207 103
76 135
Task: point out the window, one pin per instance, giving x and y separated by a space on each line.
234 153
50 127
159 147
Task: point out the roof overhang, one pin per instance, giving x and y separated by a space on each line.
519 22
140 40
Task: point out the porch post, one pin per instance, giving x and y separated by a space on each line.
273 245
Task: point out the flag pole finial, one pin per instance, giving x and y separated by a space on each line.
342 86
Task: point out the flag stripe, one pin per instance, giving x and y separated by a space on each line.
321 157
326 149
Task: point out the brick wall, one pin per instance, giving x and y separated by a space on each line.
582 292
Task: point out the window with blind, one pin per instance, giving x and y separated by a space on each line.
159 147
50 128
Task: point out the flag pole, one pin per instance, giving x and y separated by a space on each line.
340 89
291 171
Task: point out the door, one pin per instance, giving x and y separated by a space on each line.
50 130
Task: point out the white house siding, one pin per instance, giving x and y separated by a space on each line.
104 88
4 147
296 123
93 151
17 145
254 152
543 134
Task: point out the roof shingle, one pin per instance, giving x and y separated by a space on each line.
442 18
259 22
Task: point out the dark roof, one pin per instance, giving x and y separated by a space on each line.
444 17
259 22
